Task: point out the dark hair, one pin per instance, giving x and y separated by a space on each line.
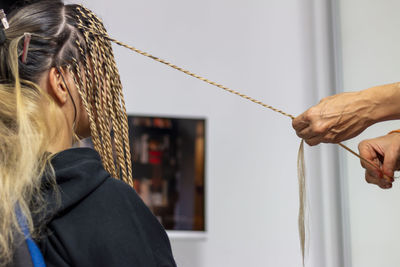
54 31
10 5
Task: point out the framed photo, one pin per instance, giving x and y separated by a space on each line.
168 162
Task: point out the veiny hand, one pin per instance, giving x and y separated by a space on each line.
384 152
336 118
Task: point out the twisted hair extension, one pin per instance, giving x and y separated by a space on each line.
111 66
104 101
302 199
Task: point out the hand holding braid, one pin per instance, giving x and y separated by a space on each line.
343 116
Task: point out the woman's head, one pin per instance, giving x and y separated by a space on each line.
69 83
53 27
69 43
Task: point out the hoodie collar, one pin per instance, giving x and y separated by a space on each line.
78 172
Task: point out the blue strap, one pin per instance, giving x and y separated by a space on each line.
36 255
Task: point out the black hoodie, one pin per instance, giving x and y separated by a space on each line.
100 221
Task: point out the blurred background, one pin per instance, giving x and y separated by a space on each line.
280 52
289 54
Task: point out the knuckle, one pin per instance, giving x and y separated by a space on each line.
330 138
361 145
312 111
368 180
308 142
296 123
311 143
318 128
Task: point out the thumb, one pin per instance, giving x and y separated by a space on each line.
389 162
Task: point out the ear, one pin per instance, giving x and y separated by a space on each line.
57 87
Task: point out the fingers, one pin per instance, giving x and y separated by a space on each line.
367 152
300 123
377 156
390 160
372 179
312 133
313 141
310 127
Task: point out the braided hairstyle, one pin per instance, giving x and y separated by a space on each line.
80 44
72 38
102 95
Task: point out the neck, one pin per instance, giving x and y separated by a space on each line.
64 138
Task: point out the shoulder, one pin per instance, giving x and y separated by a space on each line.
118 195
118 188
112 227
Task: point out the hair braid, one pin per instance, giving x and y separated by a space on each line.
117 136
76 70
108 102
105 106
86 95
98 103
115 124
118 86
106 97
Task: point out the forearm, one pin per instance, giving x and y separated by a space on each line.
385 101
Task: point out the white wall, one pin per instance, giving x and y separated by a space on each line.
369 33
277 51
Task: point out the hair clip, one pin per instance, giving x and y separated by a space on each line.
27 40
4 20
3 26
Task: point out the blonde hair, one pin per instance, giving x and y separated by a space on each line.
59 39
25 135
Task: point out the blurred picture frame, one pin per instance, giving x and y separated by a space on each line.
168 162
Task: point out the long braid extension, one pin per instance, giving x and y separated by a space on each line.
109 103
86 99
81 88
123 154
97 93
104 85
106 105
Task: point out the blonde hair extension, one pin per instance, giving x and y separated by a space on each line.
302 199
25 135
104 100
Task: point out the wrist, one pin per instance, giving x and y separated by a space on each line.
384 101
394 131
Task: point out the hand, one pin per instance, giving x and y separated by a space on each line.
336 118
384 152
